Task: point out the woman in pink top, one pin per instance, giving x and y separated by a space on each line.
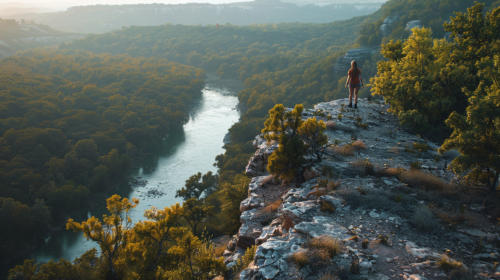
355 83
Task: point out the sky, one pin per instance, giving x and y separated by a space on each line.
63 4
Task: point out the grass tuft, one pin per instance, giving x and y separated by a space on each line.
426 181
301 258
448 264
327 243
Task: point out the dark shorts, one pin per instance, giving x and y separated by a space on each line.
358 86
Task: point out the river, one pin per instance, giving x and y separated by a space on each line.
203 141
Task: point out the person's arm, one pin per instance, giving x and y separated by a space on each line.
348 80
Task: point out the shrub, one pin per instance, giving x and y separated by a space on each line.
327 243
344 150
364 166
358 145
301 258
426 181
423 219
448 264
326 207
296 138
246 259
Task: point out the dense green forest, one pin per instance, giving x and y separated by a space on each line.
72 124
434 84
289 64
391 20
22 35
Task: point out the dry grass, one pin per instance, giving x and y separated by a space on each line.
317 192
426 181
344 150
448 264
287 222
328 276
272 207
327 207
364 166
390 172
328 244
301 258
332 185
448 217
358 145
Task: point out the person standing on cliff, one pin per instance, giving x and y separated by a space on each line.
355 82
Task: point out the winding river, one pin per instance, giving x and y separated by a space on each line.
203 141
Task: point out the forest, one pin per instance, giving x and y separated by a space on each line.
72 126
283 63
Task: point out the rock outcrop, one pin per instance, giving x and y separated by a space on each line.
372 197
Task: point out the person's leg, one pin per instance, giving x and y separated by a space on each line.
356 89
350 95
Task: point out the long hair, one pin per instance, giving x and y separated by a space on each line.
354 67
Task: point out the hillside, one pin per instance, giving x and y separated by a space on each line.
105 18
380 205
21 35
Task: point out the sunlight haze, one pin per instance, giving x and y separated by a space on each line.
64 4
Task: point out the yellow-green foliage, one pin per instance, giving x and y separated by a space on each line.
411 82
476 134
160 247
428 81
447 264
246 259
296 139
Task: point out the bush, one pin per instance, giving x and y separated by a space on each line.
448 264
424 220
297 138
425 181
327 243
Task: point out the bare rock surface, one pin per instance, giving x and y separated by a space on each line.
390 222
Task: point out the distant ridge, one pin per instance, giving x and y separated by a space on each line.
104 18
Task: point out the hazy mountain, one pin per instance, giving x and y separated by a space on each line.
103 18
20 35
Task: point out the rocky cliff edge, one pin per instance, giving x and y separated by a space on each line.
380 205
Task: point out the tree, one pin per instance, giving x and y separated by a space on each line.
198 186
312 132
287 160
296 138
420 82
110 233
476 134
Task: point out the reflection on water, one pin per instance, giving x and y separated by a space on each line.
203 141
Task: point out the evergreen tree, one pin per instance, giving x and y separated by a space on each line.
477 133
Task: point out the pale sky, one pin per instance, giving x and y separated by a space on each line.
63 4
